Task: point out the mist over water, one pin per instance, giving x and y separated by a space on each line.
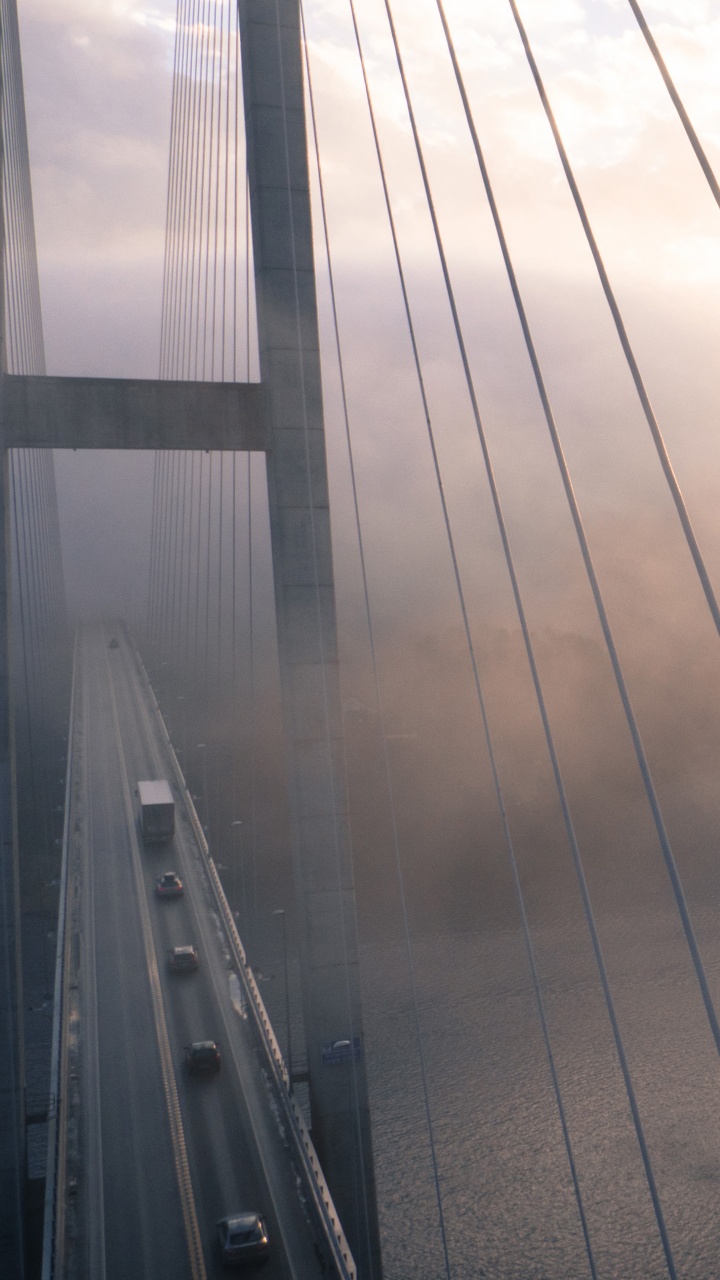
507 1195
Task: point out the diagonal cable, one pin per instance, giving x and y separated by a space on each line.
677 101
643 396
562 795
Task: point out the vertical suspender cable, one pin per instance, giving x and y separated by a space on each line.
219 64
202 244
188 304
171 181
235 206
210 133
182 202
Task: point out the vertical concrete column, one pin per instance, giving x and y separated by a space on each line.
305 601
12 1161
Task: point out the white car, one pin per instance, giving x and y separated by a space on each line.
183 959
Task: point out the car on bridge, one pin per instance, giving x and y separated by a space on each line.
242 1237
169 885
202 1057
183 959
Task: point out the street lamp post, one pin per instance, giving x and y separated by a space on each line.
280 911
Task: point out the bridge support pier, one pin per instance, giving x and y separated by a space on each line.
305 605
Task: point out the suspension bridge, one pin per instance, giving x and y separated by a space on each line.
301 810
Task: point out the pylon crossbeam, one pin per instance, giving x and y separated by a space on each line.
132 413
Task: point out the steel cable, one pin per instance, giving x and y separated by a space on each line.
677 101
633 366
638 746
560 786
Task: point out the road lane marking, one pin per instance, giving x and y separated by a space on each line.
182 1169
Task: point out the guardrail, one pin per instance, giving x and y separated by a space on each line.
314 1177
55 1173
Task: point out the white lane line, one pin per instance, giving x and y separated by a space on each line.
182 1170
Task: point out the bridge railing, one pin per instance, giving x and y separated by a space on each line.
309 1163
57 1129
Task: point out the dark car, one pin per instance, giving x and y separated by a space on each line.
242 1237
183 959
169 885
202 1057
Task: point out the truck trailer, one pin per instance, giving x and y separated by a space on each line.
157 811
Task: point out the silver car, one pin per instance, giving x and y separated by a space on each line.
183 959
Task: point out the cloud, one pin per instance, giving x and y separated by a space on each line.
98 85
97 88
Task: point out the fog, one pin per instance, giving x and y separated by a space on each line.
451 844
98 94
195 588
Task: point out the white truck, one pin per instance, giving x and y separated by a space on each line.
157 811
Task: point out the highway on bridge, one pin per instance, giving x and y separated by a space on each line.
163 1156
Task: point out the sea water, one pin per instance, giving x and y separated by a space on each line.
503 1177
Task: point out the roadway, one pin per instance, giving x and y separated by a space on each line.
164 1155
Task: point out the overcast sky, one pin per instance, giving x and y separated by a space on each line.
98 85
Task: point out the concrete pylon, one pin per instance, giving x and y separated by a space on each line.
305 604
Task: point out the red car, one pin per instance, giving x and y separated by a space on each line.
169 885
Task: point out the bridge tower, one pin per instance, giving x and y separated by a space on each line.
270 40
283 417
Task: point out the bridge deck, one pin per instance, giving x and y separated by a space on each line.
136 1207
